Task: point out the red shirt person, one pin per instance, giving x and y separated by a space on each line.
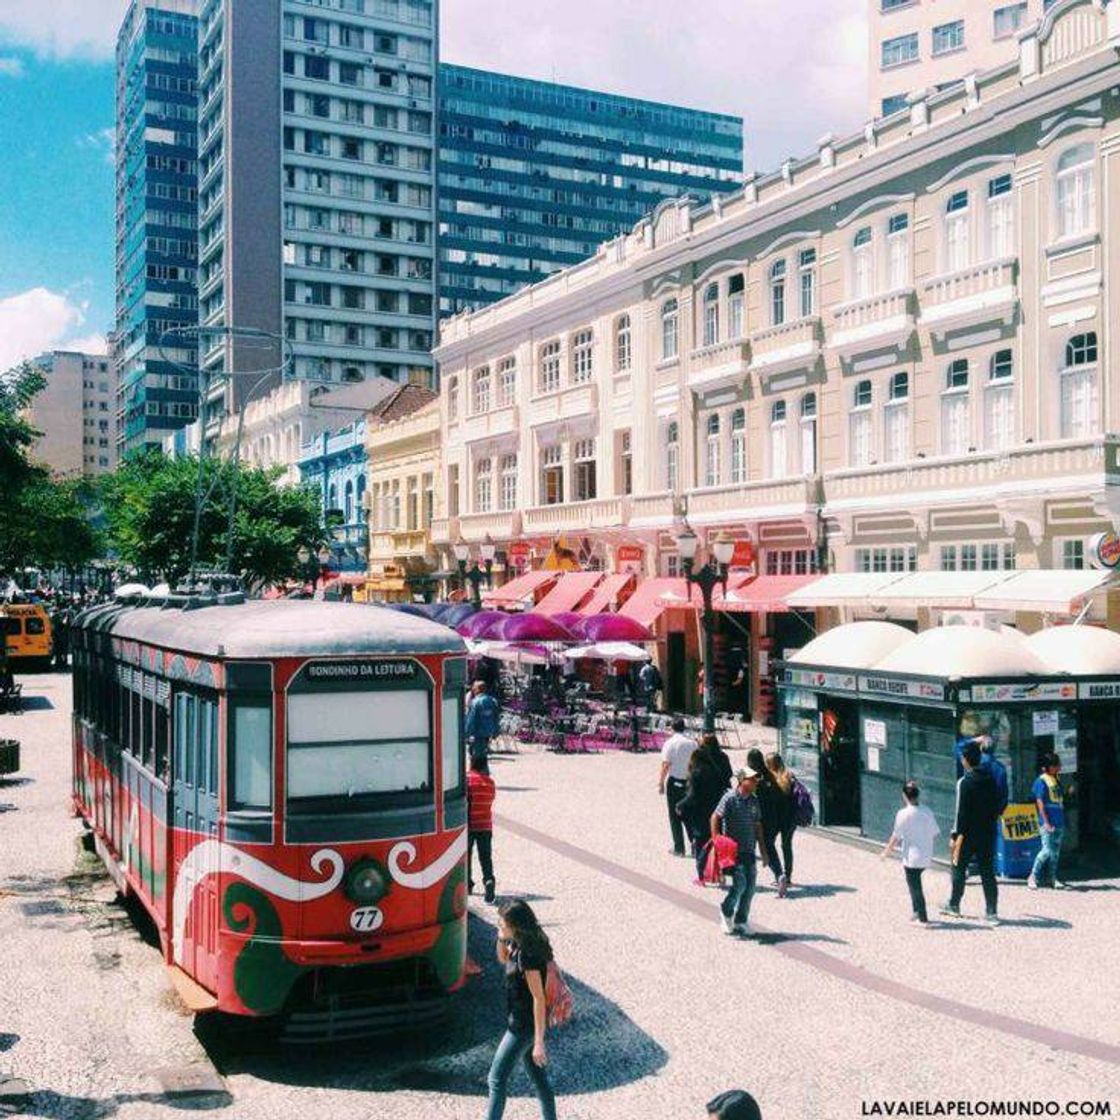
480 823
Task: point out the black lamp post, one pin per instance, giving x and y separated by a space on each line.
476 576
712 575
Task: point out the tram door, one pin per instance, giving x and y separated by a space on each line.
195 800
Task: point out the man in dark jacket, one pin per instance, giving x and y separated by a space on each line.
973 835
709 776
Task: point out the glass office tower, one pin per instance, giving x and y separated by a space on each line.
533 176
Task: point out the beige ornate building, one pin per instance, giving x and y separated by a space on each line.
403 447
894 353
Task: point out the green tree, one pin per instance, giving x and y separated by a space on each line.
149 505
18 387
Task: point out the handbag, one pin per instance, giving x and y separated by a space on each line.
558 997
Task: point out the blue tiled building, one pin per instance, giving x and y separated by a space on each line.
335 462
533 176
157 240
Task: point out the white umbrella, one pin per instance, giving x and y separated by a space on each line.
509 651
128 590
609 651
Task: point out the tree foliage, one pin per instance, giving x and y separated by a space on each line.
149 505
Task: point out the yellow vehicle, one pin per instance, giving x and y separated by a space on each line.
27 634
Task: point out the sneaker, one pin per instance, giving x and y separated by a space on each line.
1032 883
951 911
916 921
992 919
726 923
489 890
1060 885
742 929
783 886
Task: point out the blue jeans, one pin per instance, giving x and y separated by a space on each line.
1046 862
512 1047
736 903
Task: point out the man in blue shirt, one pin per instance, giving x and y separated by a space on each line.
739 817
1049 799
482 720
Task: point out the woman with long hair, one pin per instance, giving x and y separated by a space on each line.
524 951
709 776
785 820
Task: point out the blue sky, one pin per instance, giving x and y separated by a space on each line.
793 69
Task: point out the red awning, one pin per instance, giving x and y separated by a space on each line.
763 593
605 596
653 596
520 590
569 590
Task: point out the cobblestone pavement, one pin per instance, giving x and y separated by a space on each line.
839 1003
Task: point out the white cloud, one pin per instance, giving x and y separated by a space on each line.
63 28
39 320
793 70
11 68
104 140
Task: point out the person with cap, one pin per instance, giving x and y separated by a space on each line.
735 1104
673 780
739 817
974 834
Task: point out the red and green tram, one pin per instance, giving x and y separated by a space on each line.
282 786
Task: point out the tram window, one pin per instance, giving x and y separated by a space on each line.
250 765
179 744
162 717
126 716
452 735
136 725
147 738
334 753
212 764
190 743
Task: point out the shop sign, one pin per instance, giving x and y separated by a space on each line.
518 553
800 698
1013 693
1104 550
629 558
1044 723
1019 822
875 732
1099 690
810 678
915 690
743 556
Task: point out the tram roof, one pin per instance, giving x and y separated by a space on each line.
278 628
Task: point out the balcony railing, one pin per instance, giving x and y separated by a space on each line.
792 345
978 294
652 509
771 497
983 473
723 363
502 526
495 422
444 530
873 323
601 513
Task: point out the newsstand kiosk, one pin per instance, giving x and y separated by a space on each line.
905 713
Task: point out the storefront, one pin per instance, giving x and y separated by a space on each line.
856 722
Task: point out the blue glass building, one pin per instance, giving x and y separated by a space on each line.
534 176
157 223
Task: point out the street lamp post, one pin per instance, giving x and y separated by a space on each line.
476 576
712 575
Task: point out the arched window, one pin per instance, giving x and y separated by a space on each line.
672 454
739 446
778 293
898 251
999 402
863 264
348 503
956 412
711 452
807 282
860 422
778 464
1074 192
452 398
483 486
735 295
622 344
809 433
507 494
582 356
549 374
332 496
669 340
1079 393
711 315
480 396
361 498
896 419
958 230
507 381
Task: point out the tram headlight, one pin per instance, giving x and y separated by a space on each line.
366 882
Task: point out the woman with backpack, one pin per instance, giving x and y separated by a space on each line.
784 786
525 953
709 776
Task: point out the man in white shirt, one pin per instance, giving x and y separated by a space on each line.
675 754
915 828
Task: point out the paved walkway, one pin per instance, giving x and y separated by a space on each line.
841 1004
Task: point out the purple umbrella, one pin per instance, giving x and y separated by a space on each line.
570 620
482 624
534 628
615 628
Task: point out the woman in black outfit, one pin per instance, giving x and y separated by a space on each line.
709 777
524 951
770 809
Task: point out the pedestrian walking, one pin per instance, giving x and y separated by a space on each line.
709 775
738 816
524 952
768 810
1049 799
649 681
673 780
785 820
915 829
973 835
482 720
480 824
735 1104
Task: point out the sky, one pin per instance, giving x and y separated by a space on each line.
793 69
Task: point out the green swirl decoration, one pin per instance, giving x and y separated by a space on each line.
262 975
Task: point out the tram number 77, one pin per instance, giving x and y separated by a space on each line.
366 919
